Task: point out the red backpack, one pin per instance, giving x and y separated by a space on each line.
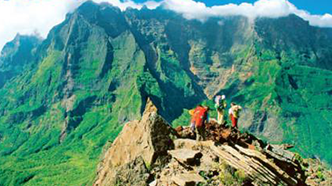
200 116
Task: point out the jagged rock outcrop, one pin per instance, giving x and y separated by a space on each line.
258 168
145 154
144 140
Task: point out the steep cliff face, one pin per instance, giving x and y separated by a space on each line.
64 98
148 139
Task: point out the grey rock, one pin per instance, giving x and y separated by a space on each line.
186 156
134 173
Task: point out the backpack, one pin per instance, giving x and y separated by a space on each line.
191 112
200 116
236 111
217 100
220 103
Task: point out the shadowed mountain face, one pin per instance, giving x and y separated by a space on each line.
16 55
64 98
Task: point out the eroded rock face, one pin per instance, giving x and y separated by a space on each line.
148 139
258 169
145 154
134 173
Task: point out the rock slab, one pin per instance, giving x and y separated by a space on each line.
186 156
187 179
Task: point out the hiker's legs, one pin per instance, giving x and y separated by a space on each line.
192 127
198 136
231 118
220 116
200 133
234 121
203 133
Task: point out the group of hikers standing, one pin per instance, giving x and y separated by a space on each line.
200 116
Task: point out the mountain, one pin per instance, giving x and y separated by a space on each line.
65 99
16 55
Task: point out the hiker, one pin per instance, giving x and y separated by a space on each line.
192 121
220 105
234 112
199 118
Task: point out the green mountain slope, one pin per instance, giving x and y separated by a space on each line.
17 55
68 97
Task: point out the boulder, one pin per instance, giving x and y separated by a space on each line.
187 179
186 144
186 156
185 132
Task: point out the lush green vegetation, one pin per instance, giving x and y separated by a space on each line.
95 71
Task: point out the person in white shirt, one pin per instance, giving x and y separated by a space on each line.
234 113
220 105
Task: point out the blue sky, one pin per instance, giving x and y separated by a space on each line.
312 6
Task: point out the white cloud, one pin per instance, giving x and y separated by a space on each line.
262 8
31 16
123 5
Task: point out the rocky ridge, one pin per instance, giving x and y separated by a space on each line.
150 152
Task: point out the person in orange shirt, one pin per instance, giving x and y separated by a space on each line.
199 118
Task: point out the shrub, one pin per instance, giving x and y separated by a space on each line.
229 176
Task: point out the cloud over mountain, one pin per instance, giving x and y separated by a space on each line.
262 8
39 16
31 16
